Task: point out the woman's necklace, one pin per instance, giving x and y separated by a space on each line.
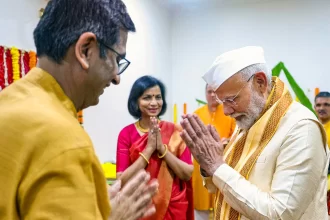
143 130
138 126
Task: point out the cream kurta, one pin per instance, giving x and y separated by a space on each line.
289 179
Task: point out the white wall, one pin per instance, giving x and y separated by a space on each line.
18 18
296 32
149 52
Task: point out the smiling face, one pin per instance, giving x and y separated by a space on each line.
151 102
105 71
98 72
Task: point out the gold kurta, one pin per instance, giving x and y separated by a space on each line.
48 166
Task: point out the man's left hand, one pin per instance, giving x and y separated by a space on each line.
203 142
134 200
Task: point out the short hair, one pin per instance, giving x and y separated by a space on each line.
138 88
63 22
322 95
249 71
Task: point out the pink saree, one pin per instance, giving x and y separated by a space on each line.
174 200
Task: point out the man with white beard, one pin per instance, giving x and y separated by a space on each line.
275 165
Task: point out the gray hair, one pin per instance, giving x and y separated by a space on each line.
247 72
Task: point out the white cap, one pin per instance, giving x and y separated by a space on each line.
231 62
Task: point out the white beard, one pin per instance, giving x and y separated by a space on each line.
254 110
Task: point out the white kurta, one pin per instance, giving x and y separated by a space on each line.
289 179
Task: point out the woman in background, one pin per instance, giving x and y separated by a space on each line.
156 146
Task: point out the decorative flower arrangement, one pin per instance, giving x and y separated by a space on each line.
15 64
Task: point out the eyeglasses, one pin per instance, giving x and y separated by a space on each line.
231 101
123 63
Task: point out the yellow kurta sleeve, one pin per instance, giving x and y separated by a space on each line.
62 189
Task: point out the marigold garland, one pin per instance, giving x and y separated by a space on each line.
15 58
19 63
26 60
9 65
2 69
22 63
15 64
5 67
33 59
80 117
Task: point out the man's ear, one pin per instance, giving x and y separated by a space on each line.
84 48
261 80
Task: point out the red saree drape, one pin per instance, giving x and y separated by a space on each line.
174 200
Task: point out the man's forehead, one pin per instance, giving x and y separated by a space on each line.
322 99
209 88
230 85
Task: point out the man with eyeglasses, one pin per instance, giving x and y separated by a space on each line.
275 165
48 167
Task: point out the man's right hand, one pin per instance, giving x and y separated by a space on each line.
134 201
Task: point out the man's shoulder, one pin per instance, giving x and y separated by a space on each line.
39 118
296 118
37 130
297 112
299 117
31 109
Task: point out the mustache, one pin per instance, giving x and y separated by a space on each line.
235 115
322 112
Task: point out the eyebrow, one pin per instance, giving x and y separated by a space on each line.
230 97
152 94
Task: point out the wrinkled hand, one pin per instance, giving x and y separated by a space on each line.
134 201
203 142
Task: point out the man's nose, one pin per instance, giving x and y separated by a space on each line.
116 80
227 110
